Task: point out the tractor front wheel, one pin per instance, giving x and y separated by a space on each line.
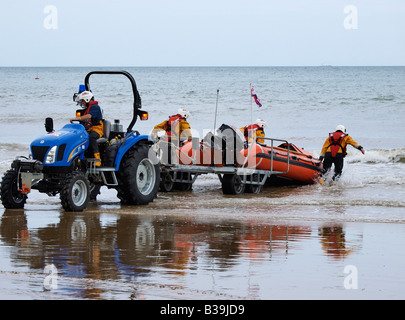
11 197
75 193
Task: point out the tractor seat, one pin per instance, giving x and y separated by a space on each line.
106 131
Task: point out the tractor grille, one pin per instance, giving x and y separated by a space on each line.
61 152
38 153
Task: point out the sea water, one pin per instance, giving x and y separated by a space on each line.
299 104
203 243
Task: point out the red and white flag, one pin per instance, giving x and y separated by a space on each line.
254 96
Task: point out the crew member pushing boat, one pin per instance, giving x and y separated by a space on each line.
334 150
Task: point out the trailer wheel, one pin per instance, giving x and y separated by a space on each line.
75 193
232 184
183 186
10 196
138 176
254 188
166 183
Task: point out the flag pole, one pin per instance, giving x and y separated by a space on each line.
216 109
251 105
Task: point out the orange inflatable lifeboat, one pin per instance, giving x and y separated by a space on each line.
228 148
298 164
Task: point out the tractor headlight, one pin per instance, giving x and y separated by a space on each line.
50 157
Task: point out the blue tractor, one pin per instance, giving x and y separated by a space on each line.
59 163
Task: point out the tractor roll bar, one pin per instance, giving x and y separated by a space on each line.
137 98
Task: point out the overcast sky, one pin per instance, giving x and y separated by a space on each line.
202 32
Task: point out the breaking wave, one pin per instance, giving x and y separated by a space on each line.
377 156
12 147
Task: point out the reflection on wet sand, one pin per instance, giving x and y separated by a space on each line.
333 240
133 247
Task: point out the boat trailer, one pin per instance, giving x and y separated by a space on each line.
234 179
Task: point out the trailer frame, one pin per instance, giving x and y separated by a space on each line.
230 176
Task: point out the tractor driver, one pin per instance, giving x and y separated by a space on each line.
91 119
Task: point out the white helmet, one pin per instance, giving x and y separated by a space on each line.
341 127
183 112
261 123
86 96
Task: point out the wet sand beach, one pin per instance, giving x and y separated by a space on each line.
176 248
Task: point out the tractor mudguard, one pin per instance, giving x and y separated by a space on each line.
129 141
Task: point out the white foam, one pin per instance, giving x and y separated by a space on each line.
376 156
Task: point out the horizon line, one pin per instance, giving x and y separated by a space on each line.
196 66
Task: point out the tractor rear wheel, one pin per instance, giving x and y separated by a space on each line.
138 176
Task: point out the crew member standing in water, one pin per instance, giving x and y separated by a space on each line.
334 150
255 130
91 120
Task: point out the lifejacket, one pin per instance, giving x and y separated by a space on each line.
171 122
252 127
89 123
335 140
